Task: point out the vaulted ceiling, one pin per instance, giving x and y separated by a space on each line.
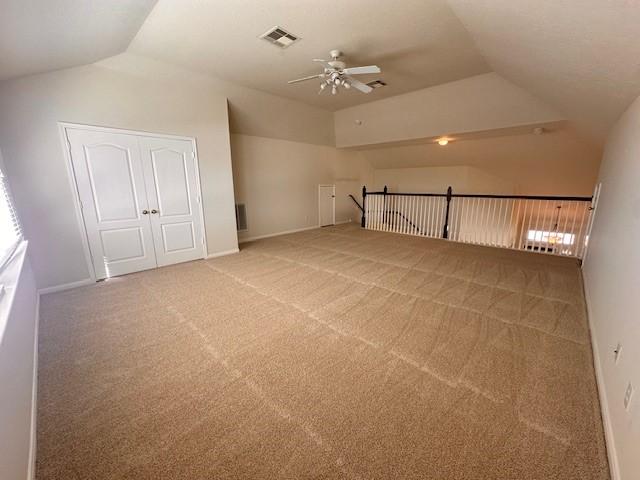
43 35
581 57
417 43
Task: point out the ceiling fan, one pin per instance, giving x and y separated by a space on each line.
336 75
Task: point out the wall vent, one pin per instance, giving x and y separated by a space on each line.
377 84
279 37
241 217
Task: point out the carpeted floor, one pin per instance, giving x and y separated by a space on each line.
333 353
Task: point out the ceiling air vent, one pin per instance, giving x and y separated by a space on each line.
279 37
377 84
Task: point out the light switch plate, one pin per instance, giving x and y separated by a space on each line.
616 353
628 394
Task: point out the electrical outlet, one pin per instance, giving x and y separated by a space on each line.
627 396
616 352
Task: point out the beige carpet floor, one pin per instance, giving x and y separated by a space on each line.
333 353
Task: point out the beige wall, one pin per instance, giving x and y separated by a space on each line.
251 112
612 281
29 111
131 92
556 163
278 181
462 179
475 104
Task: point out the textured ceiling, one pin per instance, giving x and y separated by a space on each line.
40 36
417 43
581 56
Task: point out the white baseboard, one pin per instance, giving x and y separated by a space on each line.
612 455
66 286
285 232
31 472
222 254
344 221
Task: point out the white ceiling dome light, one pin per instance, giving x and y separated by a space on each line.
336 74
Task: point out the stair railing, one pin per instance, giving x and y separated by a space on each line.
556 225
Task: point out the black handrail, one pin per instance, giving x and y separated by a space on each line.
410 194
356 202
526 197
481 195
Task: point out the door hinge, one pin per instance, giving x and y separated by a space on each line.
81 204
202 239
198 199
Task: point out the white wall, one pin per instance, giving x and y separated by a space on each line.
18 326
475 104
29 111
612 281
278 181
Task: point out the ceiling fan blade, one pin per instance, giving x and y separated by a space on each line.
362 70
311 77
357 84
324 63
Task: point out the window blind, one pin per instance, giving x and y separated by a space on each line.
10 229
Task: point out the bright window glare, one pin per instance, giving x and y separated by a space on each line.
8 235
551 237
9 228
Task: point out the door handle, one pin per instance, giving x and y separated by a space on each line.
145 212
154 211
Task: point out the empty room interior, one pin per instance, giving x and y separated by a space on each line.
278 239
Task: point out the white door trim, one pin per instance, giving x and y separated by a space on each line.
66 148
333 215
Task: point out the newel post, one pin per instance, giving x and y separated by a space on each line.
364 207
384 205
445 230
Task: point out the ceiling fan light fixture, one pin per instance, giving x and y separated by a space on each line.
443 141
335 74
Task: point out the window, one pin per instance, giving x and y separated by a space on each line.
552 238
10 231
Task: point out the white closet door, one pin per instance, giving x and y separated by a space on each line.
110 180
172 186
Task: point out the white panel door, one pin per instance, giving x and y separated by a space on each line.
171 180
327 203
110 181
